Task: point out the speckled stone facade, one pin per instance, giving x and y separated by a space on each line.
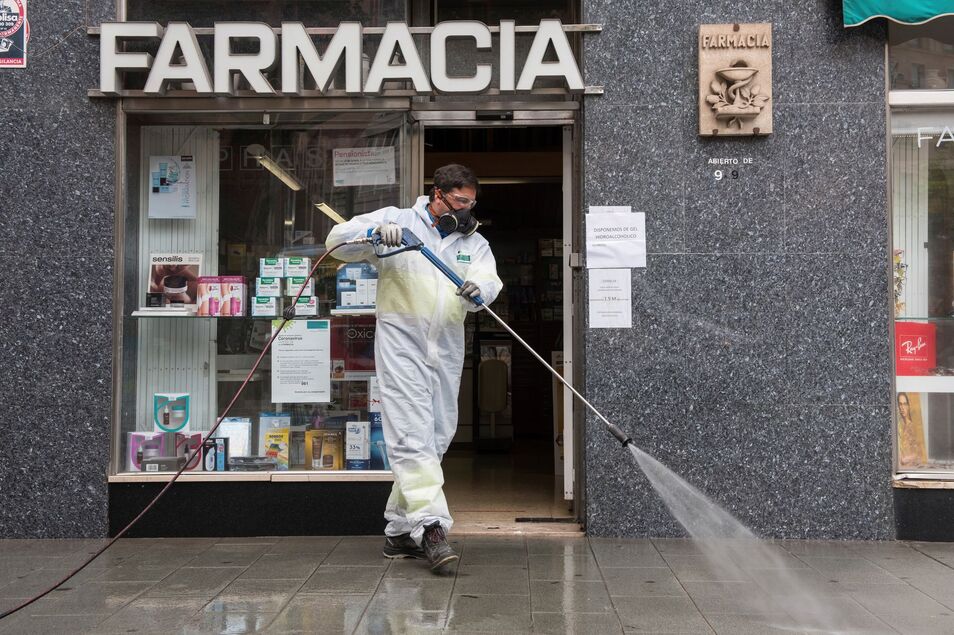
56 268
758 366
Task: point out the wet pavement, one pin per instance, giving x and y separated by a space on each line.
510 584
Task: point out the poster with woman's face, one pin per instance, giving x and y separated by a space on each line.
176 277
912 449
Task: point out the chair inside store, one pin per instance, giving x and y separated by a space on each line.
501 472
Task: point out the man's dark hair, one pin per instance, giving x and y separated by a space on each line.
454 175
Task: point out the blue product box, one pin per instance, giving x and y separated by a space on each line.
357 286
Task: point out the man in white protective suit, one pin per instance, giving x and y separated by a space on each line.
419 348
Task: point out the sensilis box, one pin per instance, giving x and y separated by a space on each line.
210 295
266 307
297 267
234 295
268 287
271 267
292 285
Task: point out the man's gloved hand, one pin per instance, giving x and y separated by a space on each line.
390 234
468 290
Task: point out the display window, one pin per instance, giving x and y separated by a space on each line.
922 185
922 57
223 223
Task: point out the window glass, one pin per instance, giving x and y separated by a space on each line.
222 226
204 13
922 155
922 57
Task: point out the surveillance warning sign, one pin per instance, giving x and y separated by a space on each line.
14 33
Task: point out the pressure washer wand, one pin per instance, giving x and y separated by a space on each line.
413 243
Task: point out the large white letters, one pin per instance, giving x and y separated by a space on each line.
477 31
179 58
346 41
550 32
111 61
397 38
249 65
193 68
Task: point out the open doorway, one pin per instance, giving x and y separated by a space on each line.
504 471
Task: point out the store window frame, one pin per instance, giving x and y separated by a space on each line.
939 101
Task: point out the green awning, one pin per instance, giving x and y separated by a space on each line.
904 11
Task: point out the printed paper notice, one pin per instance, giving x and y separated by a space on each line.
364 166
615 238
172 187
610 299
301 362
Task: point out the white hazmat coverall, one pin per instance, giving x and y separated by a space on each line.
419 354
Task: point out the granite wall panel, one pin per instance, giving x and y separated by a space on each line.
758 366
56 264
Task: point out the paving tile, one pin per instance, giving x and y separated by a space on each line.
131 572
289 566
495 613
301 545
320 614
202 582
29 584
357 551
660 615
891 599
537 546
642 582
414 595
576 623
23 622
253 596
569 596
489 580
377 621
837 614
229 555
410 569
850 570
921 624
938 587
231 622
494 555
335 579
751 624
738 598
581 567
93 598
152 615
626 553
677 546
700 568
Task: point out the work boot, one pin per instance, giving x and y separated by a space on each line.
439 553
402 546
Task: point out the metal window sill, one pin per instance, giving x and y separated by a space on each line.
291 476
923 480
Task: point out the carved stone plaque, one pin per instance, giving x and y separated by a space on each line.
735 79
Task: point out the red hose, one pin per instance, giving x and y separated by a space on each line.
238 393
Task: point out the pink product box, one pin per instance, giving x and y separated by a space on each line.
234 296
152 443
185 444
209 295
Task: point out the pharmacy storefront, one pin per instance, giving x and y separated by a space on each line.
727 225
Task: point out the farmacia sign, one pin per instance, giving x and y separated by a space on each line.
179 58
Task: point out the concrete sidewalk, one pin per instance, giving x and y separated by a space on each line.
506 584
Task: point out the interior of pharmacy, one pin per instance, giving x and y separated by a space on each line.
223 223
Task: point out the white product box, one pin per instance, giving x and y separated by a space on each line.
349 298
297 267
293 284
266 307
361 292
271 267
373 292
307 307
268 287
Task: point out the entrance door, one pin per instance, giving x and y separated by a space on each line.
511 466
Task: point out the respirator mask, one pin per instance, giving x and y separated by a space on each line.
457 219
